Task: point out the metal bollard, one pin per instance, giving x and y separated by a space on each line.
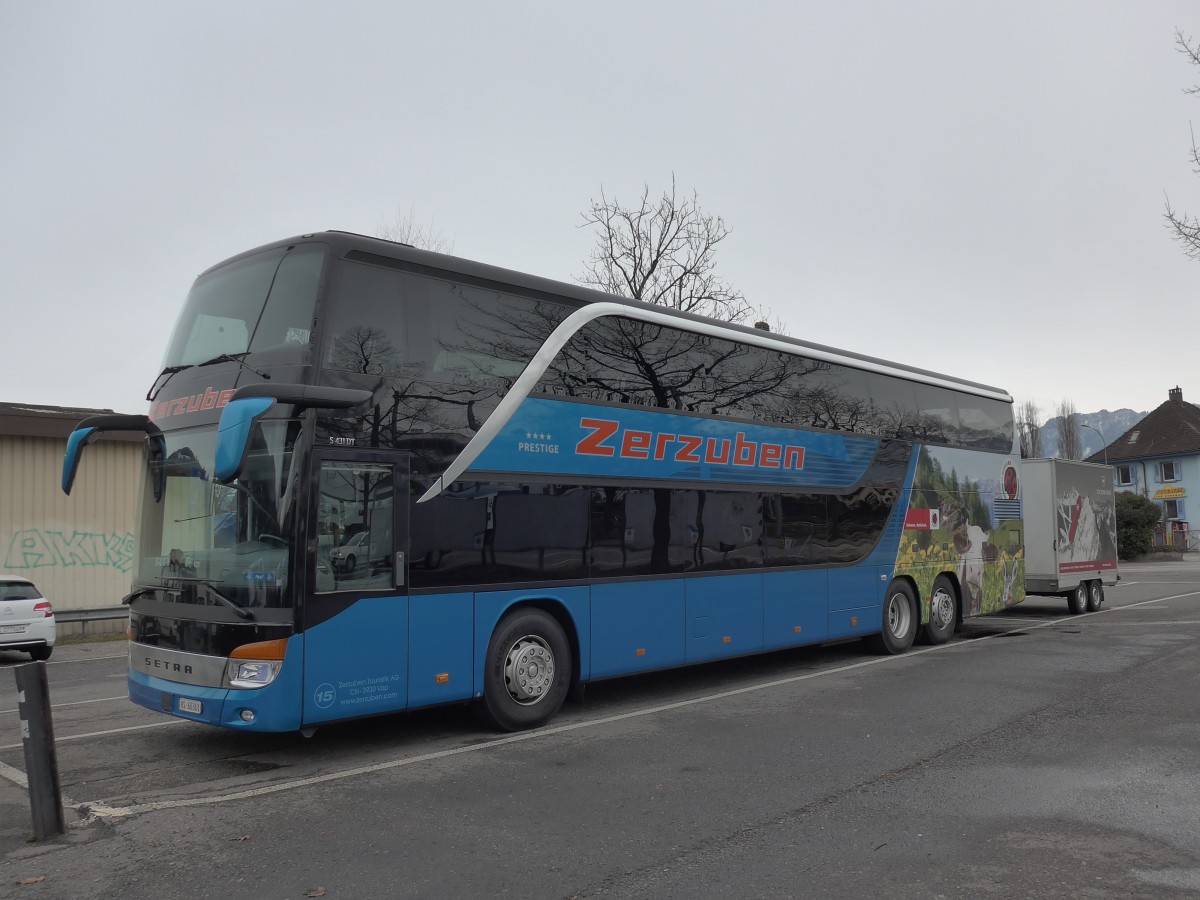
41 761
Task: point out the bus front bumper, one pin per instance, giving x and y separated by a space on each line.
275 707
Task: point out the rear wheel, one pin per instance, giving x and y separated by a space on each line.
899 620
527 671
39 654
1077 599
1095 596
943 611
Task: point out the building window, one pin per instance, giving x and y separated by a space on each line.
1173 509
1125 475
1168 471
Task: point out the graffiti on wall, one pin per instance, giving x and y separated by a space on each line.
37 548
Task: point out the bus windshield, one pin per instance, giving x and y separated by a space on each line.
231 539
261 303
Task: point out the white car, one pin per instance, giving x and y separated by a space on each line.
347 557
26 618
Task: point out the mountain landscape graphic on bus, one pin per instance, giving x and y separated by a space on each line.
965 515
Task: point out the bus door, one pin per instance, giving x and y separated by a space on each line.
355 616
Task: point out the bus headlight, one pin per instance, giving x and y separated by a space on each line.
255 665
251 673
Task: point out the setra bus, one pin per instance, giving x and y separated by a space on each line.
379 478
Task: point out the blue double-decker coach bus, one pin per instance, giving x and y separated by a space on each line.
379 478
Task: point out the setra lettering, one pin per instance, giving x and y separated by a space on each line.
164 666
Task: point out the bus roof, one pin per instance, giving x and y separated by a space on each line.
344 242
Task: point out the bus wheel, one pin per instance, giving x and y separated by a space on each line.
1095 596
899 620
943 611
1077 599
527 670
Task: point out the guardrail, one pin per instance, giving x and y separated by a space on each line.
86 616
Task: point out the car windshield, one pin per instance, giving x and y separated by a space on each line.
231 538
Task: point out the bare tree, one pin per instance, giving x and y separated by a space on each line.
1028 415
661 251
1185 228
405 229
1070 444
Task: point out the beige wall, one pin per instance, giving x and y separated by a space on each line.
79 549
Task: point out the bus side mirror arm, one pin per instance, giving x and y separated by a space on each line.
251 402
90 429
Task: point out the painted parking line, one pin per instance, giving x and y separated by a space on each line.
105 733
55 706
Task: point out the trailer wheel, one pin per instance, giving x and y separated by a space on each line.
943 611
527 670
900 620
1095 596
1077 600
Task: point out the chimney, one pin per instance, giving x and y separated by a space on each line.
762 326
1175 394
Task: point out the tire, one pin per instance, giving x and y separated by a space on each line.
1095 596
1077 599
527 671
40 654
900 620
351 562
943 611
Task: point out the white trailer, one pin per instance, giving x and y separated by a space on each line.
1070 517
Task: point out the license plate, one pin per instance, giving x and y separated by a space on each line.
12 629
190 706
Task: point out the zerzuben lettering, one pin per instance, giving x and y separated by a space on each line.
604 437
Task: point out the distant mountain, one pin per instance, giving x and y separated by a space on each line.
1110 424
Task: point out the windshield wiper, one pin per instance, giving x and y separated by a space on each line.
169 371
235 358
240 610
140 592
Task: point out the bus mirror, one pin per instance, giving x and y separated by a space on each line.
251 401
233 435
91 428
79 439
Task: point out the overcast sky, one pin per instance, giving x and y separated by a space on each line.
974 188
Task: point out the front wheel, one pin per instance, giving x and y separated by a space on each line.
1095 596
943 611
899 620
527 671
1077 600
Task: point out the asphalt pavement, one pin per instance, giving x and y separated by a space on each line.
1038 754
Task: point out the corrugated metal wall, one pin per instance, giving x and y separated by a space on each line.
78 550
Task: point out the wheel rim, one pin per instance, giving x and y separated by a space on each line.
941 609
899 615
1081 596
529 670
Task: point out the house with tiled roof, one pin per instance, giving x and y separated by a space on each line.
1159 458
